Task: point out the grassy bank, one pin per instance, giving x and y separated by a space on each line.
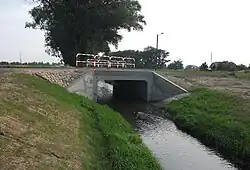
243 75
219 120
43 126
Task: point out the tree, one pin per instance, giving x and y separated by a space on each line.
150 57
204 66
153 58
4 63
176 64
73 26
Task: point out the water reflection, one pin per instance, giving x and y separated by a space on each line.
174 149
177 150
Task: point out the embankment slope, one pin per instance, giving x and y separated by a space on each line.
218 119
42 126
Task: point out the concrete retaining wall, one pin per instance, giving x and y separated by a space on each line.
164 88
83 86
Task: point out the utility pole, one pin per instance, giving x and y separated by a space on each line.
157 40
157 46
20 56
211 57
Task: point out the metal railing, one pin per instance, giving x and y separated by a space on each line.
91 60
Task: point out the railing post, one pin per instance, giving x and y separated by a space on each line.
76 60
94 62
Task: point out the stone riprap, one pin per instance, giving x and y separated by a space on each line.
62 77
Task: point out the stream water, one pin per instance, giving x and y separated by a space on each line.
174 149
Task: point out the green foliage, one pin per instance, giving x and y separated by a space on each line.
113 144
84 26
243 75
219 120
150 57
125 150
204 66
176 64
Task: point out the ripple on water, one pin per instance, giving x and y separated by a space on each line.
177 150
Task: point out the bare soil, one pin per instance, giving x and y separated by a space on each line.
214 80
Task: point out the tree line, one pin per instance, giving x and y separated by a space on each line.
150 57
216 66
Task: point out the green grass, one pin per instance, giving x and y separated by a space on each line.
243 75
64 130
219 120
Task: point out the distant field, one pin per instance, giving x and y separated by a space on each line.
243 75
194 73
237 83
182 73
26 66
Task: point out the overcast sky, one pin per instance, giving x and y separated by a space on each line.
192 29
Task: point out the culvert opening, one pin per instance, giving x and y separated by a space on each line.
122 90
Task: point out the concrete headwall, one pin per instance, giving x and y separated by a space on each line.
146 85
164 88
128 81
83 86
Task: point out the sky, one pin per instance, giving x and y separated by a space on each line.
192 30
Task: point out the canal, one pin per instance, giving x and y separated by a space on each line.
174 149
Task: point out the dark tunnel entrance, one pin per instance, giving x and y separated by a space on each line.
129 90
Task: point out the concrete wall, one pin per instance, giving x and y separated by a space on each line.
131 81
83 86
164 88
